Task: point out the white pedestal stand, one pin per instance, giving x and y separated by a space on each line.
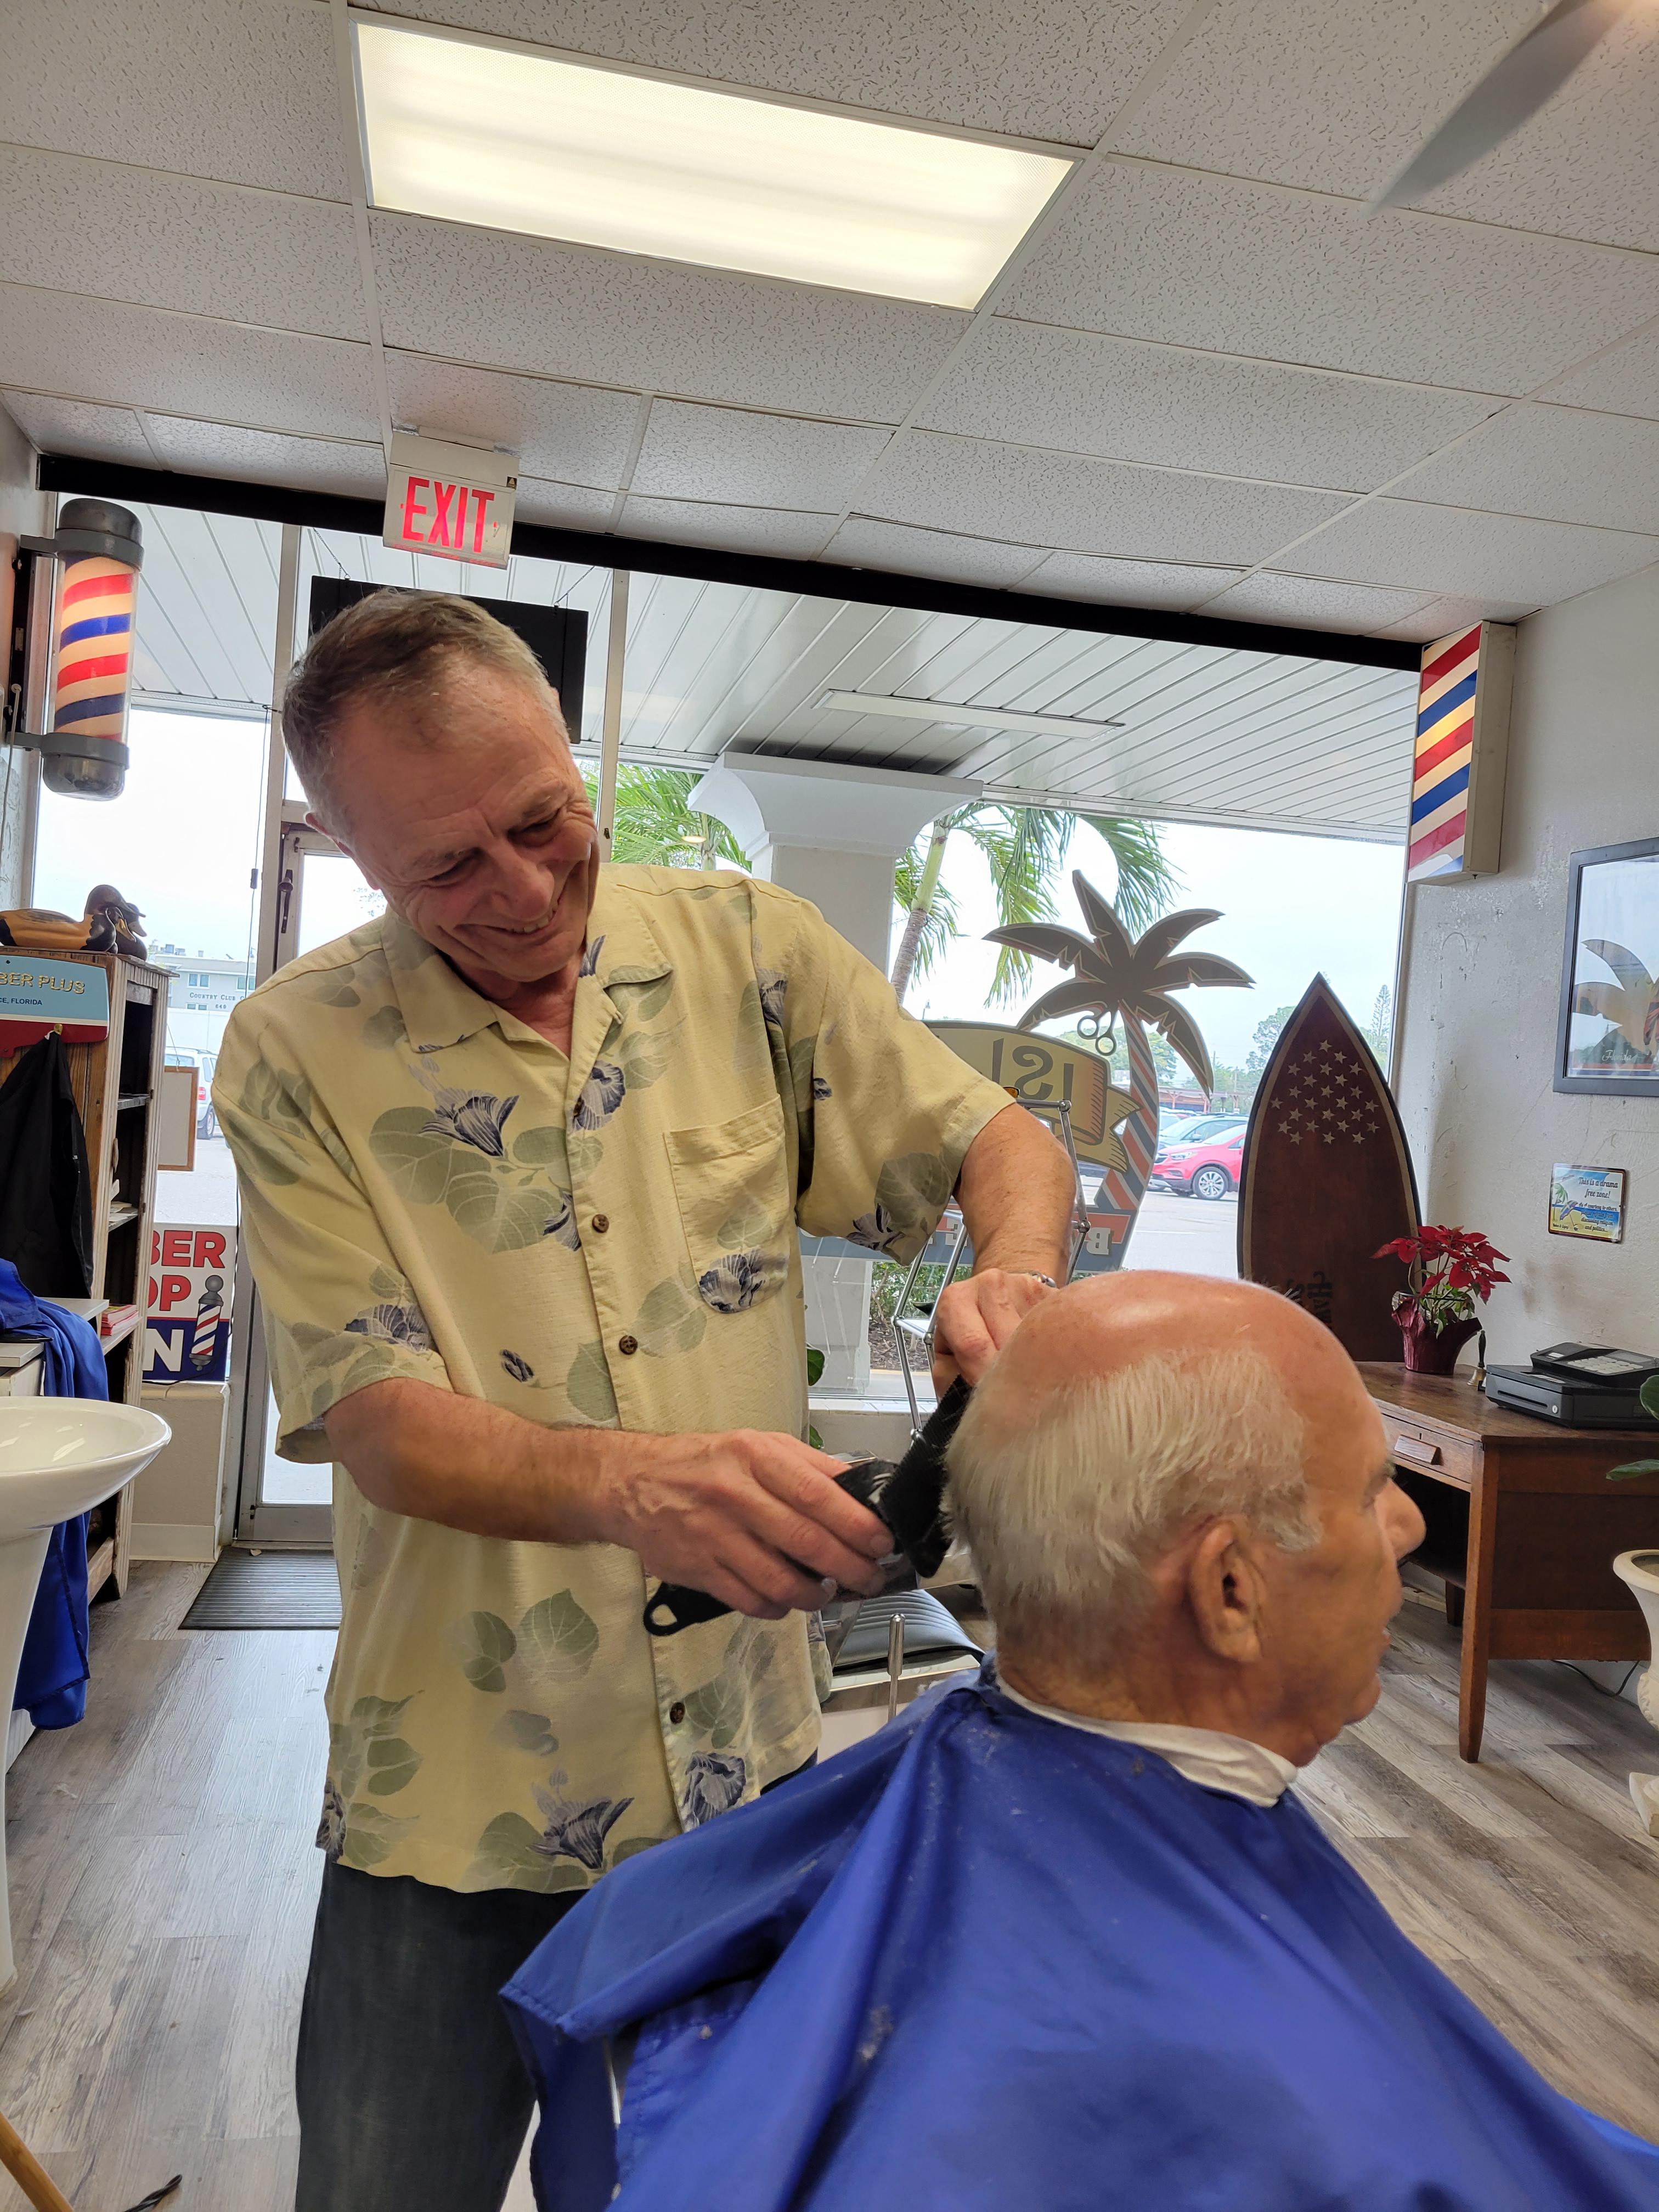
1640 1570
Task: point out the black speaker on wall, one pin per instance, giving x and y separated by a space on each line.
557 635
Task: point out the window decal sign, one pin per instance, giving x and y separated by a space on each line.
37 995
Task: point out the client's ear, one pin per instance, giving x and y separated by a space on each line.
1227 1592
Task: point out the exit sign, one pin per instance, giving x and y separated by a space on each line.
453 501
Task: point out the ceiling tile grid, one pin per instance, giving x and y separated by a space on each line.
1058 69
120 233
1082 505
242 90
1214 261
611 318
1206 382
1038 385
64 344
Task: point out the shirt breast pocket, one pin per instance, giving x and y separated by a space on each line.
731 1183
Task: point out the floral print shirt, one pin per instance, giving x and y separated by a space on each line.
430 1188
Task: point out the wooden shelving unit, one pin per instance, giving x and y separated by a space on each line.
116 1085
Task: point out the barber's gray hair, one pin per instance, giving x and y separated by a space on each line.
1065 1505
396 646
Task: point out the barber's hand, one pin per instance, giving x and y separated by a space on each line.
741 1515
975 1319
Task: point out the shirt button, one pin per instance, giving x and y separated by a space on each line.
601 1222
677 1712
628 1344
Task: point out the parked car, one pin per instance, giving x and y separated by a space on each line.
1208 1167
1198 1130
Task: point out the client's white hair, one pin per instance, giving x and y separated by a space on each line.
1065 1504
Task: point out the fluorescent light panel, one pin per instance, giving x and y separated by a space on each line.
476 131
971 718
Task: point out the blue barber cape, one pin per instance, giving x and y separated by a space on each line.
983 1960
52 1676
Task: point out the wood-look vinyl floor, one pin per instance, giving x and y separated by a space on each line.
163 1878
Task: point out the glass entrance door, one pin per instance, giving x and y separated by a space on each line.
321 895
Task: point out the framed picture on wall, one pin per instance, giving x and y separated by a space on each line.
1607 1038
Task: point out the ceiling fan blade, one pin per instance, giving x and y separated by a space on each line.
1536 66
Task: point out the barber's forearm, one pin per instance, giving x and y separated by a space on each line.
1017 1191
433 1455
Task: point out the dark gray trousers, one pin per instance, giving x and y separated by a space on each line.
412 2098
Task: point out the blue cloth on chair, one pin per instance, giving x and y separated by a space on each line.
983 1962
52 1677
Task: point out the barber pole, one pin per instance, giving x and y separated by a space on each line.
1458 758
210 1311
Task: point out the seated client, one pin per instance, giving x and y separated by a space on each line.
1063 1935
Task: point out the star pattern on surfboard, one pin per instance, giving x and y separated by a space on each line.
1325 1096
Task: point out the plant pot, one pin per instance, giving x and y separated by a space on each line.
1639 1570
1430 1351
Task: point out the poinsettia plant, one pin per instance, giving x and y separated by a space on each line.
1452 1271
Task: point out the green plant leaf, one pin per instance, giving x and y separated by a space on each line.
814 1440
557 1639
507 1858
1649 1395
392 1765
483 1644
814 1365
1632 1467
519 1731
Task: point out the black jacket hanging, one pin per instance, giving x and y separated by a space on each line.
45 1197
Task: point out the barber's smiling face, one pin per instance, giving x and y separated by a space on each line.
474 821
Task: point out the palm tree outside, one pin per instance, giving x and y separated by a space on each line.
1025 848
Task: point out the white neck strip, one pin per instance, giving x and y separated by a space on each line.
1229 1763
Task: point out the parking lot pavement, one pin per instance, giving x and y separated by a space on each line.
1192 1236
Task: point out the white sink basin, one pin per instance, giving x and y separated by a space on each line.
58 1457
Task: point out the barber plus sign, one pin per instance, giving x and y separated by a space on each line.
455 501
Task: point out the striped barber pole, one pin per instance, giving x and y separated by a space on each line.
1444 751
94 648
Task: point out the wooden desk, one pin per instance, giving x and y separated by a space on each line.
1523 1526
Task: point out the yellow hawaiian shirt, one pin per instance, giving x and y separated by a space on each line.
430 1188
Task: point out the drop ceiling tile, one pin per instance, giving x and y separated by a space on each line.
859 543
1310 602
754 460
563 506
1625 380
81 348
1563 464
1317 93
614 318
735 529
244 90
1131 402
1448 550
571 434
1076 505
1056 68
161 241
1441 616
1220 262
1128 583
216 449
92 434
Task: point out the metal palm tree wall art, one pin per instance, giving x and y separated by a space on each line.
1113 974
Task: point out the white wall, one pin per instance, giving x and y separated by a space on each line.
1482 988
23 514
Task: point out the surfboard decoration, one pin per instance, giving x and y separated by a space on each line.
1120 979
1327 1178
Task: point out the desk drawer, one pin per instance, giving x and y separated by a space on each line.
1431 1451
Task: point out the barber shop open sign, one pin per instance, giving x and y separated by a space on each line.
187 1318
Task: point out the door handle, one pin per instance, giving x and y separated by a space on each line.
1417 1451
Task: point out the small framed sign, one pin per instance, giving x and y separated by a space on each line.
1607 1034
1588 1203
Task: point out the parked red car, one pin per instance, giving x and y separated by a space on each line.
1207 1168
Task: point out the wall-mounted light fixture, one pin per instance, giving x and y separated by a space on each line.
87 628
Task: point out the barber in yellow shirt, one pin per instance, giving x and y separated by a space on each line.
522 1167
